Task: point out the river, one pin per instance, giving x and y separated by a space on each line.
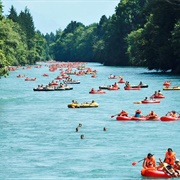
37 130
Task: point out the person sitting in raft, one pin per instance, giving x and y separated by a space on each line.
140 84
146 99
138 113
149 162
173 114
171 171
159 92
74 102
170 157
92 90
152 114
123 113
115 85
127 84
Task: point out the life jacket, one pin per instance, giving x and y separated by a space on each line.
170 159
150 163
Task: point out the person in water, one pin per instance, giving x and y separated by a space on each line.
149 162
170 157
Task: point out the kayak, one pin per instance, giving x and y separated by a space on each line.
173 88
123 118
150 101
84 105
154 173
97 92
169 118
132 88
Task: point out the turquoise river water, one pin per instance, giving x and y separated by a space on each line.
38 140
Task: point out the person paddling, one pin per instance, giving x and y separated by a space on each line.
149 162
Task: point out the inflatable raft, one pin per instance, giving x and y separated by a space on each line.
169 118
123 118
150 101
158 96
83 105
113 88
143 118
97 92
171 88
154 173
132 88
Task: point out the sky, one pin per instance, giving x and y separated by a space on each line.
52 15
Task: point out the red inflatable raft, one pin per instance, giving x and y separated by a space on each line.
121 81
132 88
169 118
97 92
150 101
113 88
158 96
138 118
123 118
154 173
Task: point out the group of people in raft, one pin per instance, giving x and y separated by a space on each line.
170 164
152 114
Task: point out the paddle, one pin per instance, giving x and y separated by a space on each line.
114 115
134 163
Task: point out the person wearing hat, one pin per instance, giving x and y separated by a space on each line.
149 162
170 157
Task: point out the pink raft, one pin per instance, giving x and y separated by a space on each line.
154 173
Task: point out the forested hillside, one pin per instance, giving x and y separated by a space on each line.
140 33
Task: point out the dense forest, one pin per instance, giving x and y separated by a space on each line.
142 33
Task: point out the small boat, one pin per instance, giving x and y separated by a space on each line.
121 81
104 87
83 105
155 173
142 118
64 88
112 77
150 101
123 118
169 118
45 75
72 82
141 86
167 83
97 92
21 76
132 88
171 88
30 79
43 89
